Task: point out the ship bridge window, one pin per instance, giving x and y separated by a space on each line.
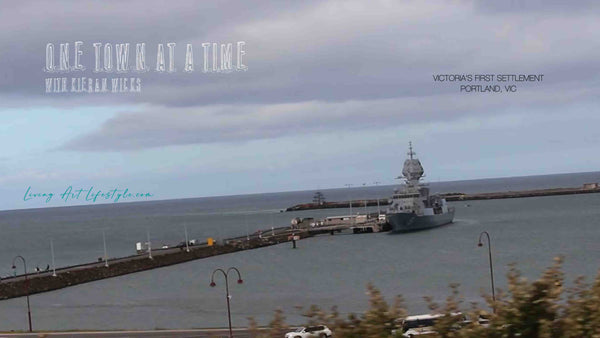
406 196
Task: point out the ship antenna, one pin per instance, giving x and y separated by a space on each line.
410 152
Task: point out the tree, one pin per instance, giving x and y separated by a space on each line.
253 328
582 312
278 325
533 309
380 319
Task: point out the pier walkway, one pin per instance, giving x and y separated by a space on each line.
37 282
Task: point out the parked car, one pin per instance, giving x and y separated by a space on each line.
318 331
422 325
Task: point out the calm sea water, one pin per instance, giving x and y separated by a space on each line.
325 270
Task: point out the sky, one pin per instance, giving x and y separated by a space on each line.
331 94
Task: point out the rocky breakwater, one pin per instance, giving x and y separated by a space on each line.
585 189
342 204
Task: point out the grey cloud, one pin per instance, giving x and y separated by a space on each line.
331 51
165 126
330 64
27 26
537 6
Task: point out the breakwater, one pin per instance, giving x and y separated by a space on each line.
521 194
19 286
341 204
585 189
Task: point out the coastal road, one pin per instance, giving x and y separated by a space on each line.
199 333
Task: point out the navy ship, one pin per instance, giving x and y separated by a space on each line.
412 207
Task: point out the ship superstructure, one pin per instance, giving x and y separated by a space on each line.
412 207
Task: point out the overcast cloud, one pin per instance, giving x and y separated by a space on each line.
311 65
356 76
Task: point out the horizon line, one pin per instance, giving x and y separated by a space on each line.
287 191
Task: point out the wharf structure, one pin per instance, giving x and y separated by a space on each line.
359 223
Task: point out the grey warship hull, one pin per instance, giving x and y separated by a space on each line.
406 222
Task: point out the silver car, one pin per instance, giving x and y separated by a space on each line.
317 331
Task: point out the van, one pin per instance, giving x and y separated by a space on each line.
422 325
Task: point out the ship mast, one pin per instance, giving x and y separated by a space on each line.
412 170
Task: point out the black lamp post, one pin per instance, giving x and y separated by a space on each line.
491 266
26 286
212 284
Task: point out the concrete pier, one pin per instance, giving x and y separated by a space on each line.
41 282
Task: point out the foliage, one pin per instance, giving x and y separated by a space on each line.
278 325
252 327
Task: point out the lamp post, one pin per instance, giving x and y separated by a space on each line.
491 265
26 286
105 253
272 226
378 209
149 244
212 284
52 252
351 217
187 247
247 231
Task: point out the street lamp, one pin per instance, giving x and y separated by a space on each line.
105 253
149 244
187 247
26 286
52 252
378 209
212 284
491 266
351 217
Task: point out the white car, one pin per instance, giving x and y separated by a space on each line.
419 332
422 325
318 331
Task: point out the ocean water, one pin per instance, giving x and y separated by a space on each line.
325 270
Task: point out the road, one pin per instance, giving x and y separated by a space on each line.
197 333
